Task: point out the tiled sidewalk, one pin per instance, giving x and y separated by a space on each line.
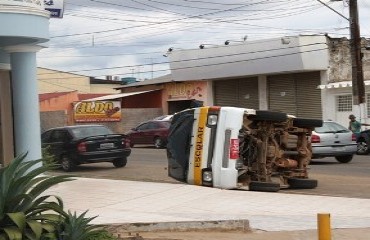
116 201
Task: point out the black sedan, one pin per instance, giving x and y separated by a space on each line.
80 144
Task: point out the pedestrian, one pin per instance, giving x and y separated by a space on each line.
355 126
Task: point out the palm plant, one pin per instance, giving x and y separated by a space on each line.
26 212
78 227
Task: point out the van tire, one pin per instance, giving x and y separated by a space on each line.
264 186
302 183
268 116
307 123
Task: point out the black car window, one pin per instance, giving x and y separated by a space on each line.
59 136
45 137
83 132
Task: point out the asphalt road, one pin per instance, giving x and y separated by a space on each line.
149 164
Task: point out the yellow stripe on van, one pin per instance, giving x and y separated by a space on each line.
199 145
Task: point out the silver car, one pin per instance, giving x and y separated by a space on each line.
333 140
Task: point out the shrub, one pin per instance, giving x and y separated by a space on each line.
27 213
78 227
48 159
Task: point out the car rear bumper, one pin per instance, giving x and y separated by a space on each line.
103 156
332 151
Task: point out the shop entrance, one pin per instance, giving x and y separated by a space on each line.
177 106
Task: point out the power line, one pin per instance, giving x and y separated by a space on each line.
333 10
153 24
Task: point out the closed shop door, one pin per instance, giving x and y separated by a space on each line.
282 94
237 93
308 95
296 94
226 92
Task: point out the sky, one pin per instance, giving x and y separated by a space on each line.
130 38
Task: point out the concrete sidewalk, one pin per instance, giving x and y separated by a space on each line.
119 202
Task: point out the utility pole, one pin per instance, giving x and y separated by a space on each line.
358 86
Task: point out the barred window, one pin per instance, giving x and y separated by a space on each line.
344 103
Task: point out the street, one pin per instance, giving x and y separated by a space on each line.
149 164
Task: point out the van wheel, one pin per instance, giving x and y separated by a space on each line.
268 116
264 186
302 183
307 123
67 164
120 162
344 159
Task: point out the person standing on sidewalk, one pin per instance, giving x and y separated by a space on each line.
355 126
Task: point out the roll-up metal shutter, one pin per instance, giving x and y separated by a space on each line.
282 93
296 94
237 93
248 93
226 92
308 95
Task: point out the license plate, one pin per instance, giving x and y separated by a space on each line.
338 149
107 145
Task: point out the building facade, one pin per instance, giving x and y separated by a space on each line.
24 27
307 76
50 81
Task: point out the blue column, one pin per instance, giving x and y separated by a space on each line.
26 114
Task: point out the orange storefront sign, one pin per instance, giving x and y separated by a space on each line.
97 111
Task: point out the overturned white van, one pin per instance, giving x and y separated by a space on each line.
233 148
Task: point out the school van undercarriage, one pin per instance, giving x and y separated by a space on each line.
239 148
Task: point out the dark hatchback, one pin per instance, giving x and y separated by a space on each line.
363 143
80 144
153 132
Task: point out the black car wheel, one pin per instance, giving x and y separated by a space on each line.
344 159
362 147
120 162
302 183
158 143
67 164
264 186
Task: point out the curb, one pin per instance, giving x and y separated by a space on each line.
223 225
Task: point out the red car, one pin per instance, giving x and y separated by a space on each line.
151 132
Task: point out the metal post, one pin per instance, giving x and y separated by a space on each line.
358 86
323 226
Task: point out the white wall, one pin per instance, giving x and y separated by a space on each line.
300 53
